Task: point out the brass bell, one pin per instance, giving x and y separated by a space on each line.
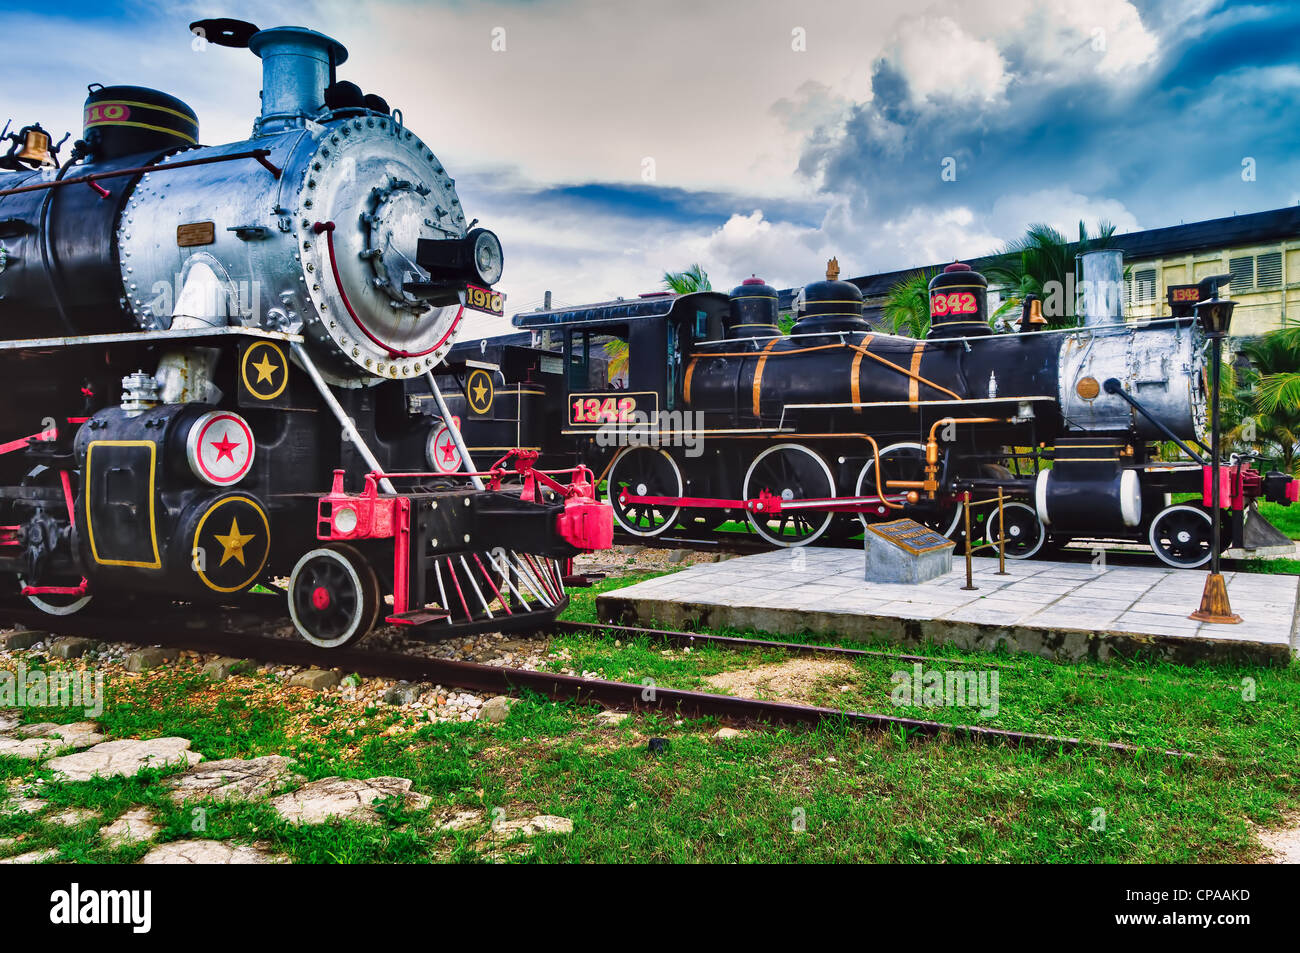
36 146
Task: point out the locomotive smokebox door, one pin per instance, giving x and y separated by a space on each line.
264 375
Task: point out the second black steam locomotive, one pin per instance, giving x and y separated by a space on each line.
698 413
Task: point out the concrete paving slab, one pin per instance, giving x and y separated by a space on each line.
1065 611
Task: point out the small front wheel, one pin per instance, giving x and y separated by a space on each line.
1025 533
333 596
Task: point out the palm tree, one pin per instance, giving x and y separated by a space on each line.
1271 396
693 278
1042 263
907 306
1279 386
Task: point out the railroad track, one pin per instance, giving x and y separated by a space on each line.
182 633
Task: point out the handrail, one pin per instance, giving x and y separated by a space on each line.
93 178
1000 543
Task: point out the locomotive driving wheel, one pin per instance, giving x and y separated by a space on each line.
333 596
644 471
1182 536
903 461
791 472
42 531
1025 533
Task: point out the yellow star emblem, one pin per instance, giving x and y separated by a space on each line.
233 543
480 392
265 370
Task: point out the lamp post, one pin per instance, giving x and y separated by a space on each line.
1215 316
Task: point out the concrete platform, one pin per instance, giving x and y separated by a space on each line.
1063 611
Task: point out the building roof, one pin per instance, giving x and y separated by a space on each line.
652 305
1234 231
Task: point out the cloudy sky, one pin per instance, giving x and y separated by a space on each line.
608 140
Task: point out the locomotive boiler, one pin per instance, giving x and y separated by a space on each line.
703 418
204 350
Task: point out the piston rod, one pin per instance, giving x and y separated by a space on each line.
349 428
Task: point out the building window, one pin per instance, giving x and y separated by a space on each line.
1268 270
1243 273
1144 286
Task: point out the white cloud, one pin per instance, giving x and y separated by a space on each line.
586 89
1061 208
940 60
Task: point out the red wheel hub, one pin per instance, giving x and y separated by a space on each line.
320 598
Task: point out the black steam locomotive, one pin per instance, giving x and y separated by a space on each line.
204 364
698 413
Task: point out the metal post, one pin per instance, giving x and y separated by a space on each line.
349 428
1216 345
970 582
1002 539
1215 606
452 429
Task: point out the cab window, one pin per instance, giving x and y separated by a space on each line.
598 360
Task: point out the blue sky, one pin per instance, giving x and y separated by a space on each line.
612 139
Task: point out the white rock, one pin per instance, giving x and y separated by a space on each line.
497 708
459 820
550 824
24 805
235 779
134 827
531 827
32 857
348 798
612 717
722 734
209 852
72 816
123 758
43 740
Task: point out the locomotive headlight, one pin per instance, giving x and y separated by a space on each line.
487 255
477 258
345 520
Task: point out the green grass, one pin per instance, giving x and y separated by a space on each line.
861 795
1285 518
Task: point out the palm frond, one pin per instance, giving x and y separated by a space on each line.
907 306
694 278
1279 390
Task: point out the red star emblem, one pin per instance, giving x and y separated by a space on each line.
448 452
225 447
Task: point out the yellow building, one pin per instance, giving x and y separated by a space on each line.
1261 251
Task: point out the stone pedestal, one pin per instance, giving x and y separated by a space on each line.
906 551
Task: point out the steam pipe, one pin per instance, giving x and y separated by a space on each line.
1113 386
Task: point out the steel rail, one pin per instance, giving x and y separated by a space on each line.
475 676
691 639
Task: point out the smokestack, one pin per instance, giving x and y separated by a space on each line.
1102 287
297 65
